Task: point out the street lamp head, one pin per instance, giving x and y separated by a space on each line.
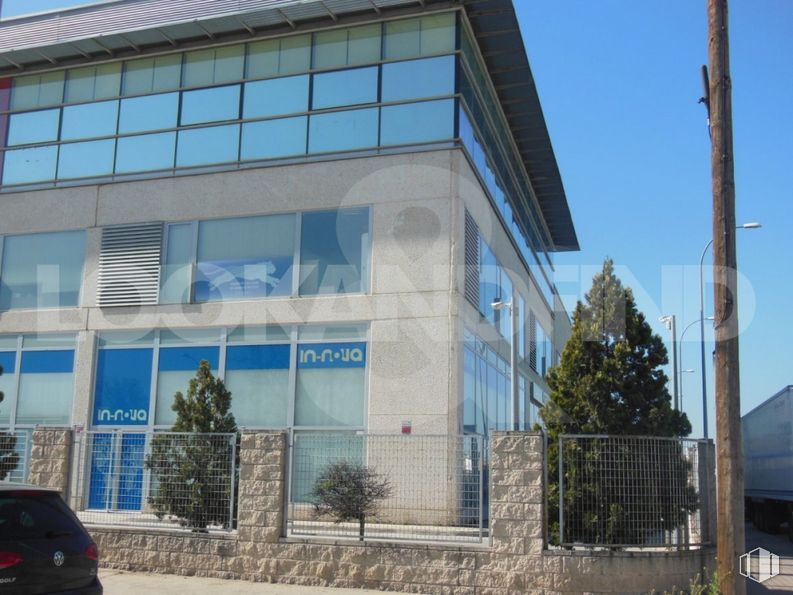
751 225
499 305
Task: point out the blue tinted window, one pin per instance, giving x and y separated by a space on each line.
343 131
154 112
245 258
89 120
186 359
33 127
123 387
211 105
146 152
417 122
48 362
345 87
83 160
334 252
42 270
30 165
258 357
418 78
274 138
276 96
205 146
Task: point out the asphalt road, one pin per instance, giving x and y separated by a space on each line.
777 544
135 583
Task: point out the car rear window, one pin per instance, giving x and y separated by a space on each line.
35 516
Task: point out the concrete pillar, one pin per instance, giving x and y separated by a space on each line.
50 458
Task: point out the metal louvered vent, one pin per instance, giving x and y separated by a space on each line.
532 341
471 260
129 265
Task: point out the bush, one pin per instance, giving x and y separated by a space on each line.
348 492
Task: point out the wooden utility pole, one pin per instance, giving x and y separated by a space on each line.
729 463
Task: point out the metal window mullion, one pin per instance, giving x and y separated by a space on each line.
193 263
296 267
290 412
18 371
155 365
222 355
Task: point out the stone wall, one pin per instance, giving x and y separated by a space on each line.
514 562
50 456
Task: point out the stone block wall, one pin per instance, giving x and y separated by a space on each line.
50 458
515 560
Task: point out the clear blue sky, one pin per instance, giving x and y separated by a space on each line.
619 83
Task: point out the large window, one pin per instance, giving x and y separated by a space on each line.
311 377
245 258
334 252
255 257
486 388
42 270
269 99
37 380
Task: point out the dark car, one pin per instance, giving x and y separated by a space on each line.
43 546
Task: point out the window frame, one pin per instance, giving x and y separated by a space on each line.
13 399
294 291
223 342
81 286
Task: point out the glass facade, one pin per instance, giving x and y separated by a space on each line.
41 270
310 377
257 257
487 391
327 92
37 380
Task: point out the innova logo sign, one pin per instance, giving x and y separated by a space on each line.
759 565
332 355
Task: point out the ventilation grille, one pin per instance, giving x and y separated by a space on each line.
532 341
471 260
129 265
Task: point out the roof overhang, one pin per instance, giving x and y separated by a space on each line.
126 28
495 25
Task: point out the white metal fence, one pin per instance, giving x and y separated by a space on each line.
162 479
15 455
423 488
627 491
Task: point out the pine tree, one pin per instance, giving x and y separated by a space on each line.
192 472
610 381
9 458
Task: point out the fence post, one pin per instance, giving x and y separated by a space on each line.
233 473
561 493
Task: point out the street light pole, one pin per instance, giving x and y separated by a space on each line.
671 324
702 318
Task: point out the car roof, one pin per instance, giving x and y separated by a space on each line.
8 486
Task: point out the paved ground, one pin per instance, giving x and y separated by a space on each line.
135 583
780 545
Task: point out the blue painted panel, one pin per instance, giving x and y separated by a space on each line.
125 460
8 361
181 359
331 355
48 362
123 387
258 357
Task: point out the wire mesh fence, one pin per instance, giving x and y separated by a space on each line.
14 455
626 491
388 487
162 479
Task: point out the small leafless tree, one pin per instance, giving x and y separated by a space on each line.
349 491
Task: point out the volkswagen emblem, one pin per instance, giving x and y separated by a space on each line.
59 558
